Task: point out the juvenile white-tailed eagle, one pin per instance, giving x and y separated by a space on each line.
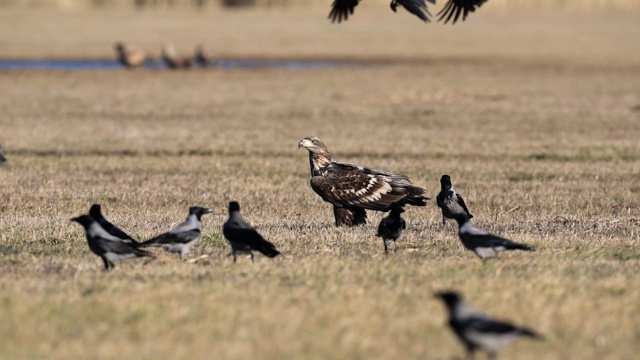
352 189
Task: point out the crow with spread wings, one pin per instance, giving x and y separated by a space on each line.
341 9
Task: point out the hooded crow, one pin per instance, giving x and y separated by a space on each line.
477 330
391 227
450 201
485 245
181 238
110 248
96 214
244 238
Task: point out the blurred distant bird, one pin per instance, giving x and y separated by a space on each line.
181 238
477 330
482 243
454 8
129 57
450 201
96 213
244 238
341 9
391 226
353 188
172 60
3 160
202 57
110 248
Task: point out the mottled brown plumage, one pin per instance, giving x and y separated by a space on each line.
128 56
352 189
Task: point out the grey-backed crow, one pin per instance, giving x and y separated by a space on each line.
110 248
96 213
181 238
450 201
477 330
482 243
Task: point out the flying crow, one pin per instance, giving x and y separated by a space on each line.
485 245
96 214
450 201
181 238
244 238
341 9
110 248
352 189
391 227
477 330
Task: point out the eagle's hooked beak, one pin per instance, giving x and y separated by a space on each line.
305 143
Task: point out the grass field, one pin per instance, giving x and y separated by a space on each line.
536 119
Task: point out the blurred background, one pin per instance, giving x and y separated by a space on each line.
578 29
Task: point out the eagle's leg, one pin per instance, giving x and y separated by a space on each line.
349 216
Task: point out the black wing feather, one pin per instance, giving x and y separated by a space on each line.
118 247
490 240
114 230
489 326
417 8
440 199
182 237
464 206
341 9
454 8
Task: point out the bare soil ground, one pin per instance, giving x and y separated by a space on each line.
535 117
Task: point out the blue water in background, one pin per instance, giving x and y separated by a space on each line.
158 64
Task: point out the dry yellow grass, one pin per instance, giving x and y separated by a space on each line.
543 144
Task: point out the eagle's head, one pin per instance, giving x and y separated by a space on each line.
319 156
313 144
